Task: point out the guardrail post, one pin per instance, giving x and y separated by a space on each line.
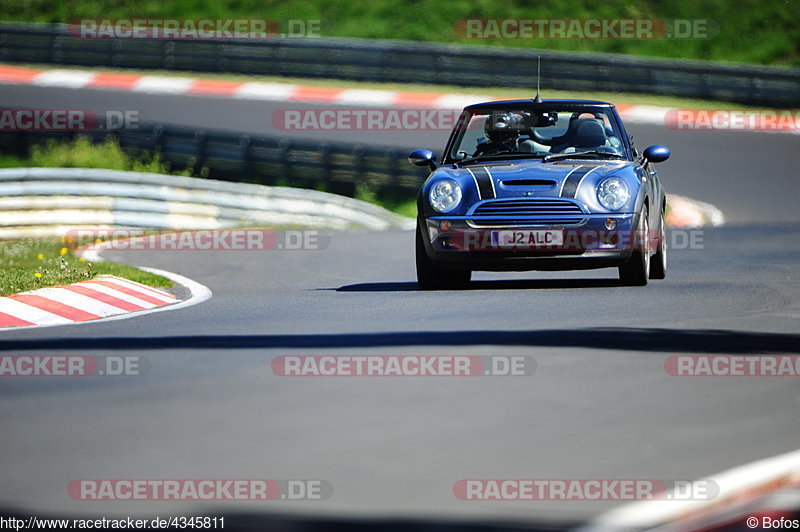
56 53
392 168
359 154
325 166
169 55
158 138
755 91
285 146
247 161
201 138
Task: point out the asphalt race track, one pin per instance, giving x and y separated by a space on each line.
600 404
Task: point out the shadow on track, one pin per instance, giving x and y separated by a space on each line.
700 341
515 284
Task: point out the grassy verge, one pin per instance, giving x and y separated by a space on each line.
756 31
81 153
480 93
31 264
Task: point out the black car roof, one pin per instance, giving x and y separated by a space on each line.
544 104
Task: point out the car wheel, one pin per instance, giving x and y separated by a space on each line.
658 264
431 276
634 271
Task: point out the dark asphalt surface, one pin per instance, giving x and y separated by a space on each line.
600 404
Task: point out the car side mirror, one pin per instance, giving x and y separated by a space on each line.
423 158
656 154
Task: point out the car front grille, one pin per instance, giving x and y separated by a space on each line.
526 211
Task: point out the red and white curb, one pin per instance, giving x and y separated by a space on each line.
738 487
106 297
688 213
103 296
286 92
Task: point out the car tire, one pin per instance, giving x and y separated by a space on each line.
658 263
635 271
431 276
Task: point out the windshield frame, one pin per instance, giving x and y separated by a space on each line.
528 105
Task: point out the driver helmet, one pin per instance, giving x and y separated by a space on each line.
500 128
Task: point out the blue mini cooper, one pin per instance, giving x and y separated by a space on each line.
540 185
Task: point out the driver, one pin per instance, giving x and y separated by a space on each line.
501 135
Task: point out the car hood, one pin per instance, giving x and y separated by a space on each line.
541 179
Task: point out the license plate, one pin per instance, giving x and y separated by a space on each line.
528 239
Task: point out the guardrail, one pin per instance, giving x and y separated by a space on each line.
400 61
38 202
340 168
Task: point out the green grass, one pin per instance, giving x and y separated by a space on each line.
753 31
131 273
406 208
31 264
81 153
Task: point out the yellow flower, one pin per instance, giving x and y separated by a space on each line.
37 274
40 256
63 251
81 259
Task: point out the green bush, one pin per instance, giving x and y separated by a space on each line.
81 153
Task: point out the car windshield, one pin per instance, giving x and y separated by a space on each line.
500 132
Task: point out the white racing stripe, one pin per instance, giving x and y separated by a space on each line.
28 313
116 293
79 301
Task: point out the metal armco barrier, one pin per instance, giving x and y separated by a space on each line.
38 202
400 61
339 168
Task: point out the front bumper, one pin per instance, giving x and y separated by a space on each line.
456 242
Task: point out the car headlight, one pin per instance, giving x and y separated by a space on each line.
445 195
612 193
